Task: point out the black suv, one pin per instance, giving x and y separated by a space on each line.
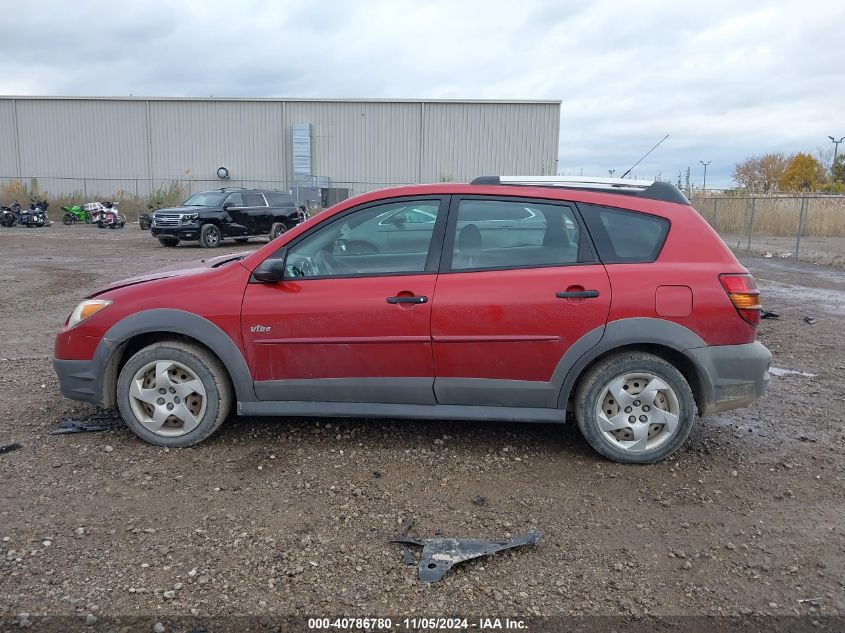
212 216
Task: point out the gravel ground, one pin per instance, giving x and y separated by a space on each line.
294 516
827 251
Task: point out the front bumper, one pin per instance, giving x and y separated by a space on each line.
80 379
732 376
183 232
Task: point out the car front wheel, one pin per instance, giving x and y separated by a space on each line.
174 394
634 408
210 236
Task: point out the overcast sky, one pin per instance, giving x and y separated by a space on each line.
725 79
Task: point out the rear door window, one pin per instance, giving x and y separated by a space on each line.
500 234
625 236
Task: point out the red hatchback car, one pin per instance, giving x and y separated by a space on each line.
504 299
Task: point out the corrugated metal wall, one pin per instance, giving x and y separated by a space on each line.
136 145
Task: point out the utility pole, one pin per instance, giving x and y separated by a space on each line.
704 186
835 150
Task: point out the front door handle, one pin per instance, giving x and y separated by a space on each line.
412 299
577 294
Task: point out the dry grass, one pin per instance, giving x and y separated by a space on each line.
129 204
774 216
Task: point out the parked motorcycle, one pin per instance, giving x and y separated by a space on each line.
111 217
76 213
10 215
145 220
36 215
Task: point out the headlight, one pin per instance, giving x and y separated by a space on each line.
86 309
189 217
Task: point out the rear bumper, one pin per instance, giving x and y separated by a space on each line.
732 376
80 379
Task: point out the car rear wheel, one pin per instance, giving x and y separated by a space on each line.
634 408
277 229
210 236
168 241
174 394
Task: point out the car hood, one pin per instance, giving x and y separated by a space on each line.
181 209
178 270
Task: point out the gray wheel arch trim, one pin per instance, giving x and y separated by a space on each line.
615 334
169 320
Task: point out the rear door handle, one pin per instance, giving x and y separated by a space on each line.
407 299
577 294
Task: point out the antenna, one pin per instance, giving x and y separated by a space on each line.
644 155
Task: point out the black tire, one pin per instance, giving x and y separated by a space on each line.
169 242
68 219
144 223
602 374
278 229
207 369
210 236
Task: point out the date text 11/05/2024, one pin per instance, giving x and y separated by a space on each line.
417 624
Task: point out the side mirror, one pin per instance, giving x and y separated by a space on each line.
270 270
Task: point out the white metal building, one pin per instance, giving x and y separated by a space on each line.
134 145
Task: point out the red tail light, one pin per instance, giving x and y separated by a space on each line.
744 295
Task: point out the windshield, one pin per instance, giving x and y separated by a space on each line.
207 199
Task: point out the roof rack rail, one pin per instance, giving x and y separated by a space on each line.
651 189
231 188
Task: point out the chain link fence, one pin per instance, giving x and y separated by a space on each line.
809 228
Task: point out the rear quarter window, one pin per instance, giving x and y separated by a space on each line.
279 199
625 236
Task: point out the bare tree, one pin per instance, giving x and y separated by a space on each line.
761 174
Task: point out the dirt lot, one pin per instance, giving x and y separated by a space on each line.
294 516
827 251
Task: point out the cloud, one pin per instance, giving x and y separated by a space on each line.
724 79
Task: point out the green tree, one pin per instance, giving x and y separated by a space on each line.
839 169
803 173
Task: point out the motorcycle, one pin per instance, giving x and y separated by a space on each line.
76 213
95 211
10 215
145 220
36 215
111 217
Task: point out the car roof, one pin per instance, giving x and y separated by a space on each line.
610 198
242 190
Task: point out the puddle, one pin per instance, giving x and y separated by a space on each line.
779 371
822 299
